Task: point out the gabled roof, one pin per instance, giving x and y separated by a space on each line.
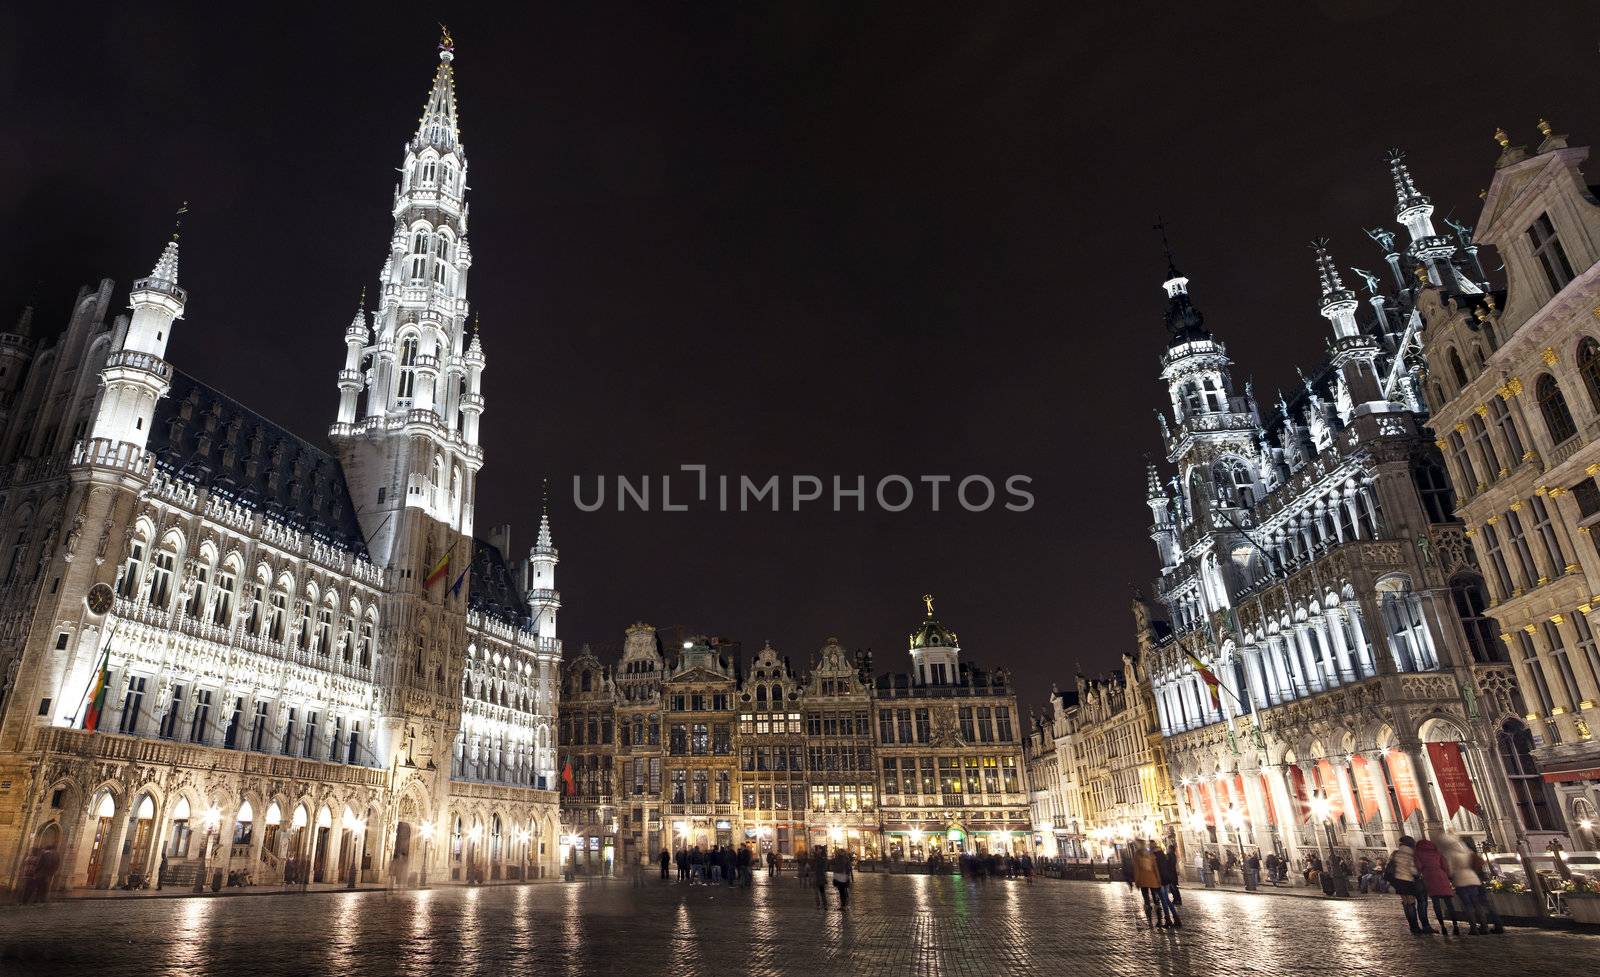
203 436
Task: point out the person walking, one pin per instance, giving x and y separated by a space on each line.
1402 875
843 874
666 863
819 874
1467 869
1435 874
1147 876
1252 872
1127 866
1167 866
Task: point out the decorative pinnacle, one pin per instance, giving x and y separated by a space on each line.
1332 286
1501 138
928 600
447 44
1152 478
1406 193
1545 129
177 222
361 306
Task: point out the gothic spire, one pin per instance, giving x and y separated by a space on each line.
1406 194
1184 321
438 126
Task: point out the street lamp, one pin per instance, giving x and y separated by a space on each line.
427 836
1320 810
357 838
1236 821
210 819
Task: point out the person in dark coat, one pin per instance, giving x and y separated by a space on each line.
843 874
819 875
1167 866
666 863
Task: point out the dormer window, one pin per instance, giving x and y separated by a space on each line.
1551 255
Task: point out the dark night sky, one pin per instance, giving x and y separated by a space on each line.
913 239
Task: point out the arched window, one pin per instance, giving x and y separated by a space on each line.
1528 790
1438 501
441 260
1471 602
408 372
132 570
1553 405
1589 369
161 569
419 256
222 607
275 617
1459 371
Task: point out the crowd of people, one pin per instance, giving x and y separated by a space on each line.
727 865
1441 870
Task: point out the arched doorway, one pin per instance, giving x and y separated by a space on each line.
496 851
295 850
101 820
141 832
181 833
319 841
272 837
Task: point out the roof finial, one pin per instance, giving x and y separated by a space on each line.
361 306
1501 138
1545 129
1160 227
544 507
928 600
177 223
447 44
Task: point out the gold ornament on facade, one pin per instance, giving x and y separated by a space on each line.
1530 628
1545 129
1556 619
1592 470
1501 138
1439 443
1549 356
1482 410
1461 427
1516 505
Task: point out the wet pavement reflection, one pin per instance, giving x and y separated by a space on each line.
933 927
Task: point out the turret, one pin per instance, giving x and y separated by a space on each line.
136 375
1355 354
356 337
543 597
1162 530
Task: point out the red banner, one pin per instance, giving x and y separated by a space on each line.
1450 773
1404 779
1266 798
1297 788
1328 781
1244 803
1205 803
1369 794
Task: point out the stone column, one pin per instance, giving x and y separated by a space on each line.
1341 646
1363 646
1308 658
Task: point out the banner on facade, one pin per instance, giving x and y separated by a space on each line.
1328 783
1244 803
1266 798
1404 779
1369 793
1205 803
1450 773
1302 800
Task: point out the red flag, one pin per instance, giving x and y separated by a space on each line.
568 787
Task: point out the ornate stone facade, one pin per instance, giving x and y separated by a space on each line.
231 650
1516 377
1324 686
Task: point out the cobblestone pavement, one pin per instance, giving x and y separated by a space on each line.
915 925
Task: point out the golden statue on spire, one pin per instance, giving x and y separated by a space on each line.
447 44
928 600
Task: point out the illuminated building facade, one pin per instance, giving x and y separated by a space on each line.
228 648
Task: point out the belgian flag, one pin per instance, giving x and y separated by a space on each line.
97 692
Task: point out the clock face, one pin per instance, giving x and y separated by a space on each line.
99 598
